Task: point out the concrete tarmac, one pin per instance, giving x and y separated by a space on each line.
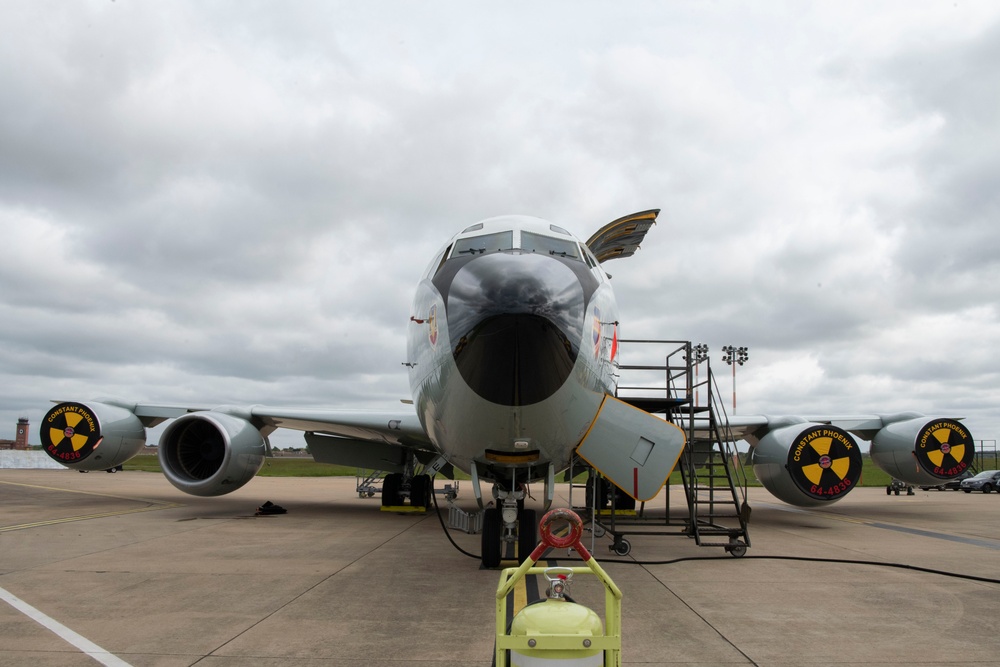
124 569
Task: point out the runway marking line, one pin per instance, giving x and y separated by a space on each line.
153 506
69 636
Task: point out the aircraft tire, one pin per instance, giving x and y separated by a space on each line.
390 489
602 493
527 534
420 491
491 544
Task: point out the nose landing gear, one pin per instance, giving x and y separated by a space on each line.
505 525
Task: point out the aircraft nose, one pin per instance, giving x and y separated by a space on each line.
516 322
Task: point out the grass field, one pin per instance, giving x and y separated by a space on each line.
305 467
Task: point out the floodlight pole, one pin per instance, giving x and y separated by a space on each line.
735 355
699 353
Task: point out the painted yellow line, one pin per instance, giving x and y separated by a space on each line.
86 493
152 506
85 517
809 512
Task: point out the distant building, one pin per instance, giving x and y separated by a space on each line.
20 440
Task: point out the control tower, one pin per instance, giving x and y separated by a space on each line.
21 441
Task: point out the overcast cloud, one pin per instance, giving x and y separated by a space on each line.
231 202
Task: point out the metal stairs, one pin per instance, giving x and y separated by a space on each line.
670 378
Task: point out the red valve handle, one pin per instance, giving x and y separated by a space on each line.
572 539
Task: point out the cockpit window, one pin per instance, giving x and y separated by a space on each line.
487 243
531 242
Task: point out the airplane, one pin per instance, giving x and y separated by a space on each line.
512 349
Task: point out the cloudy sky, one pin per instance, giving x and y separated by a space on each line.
231 202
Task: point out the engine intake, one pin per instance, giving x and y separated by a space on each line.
91 436
807 464
921 450
210 453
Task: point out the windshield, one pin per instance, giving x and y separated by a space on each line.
478 245
531 242
986 473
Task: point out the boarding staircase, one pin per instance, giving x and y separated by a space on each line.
674 380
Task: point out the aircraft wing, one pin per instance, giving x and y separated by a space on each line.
621 238
399 427
752 427
210 451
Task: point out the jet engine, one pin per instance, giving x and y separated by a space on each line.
807 464
210 453
93 436
923 451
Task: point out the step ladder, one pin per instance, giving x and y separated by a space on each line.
674 379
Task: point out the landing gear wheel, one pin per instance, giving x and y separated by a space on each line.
491 544
420 491
390 489
622 547
602 493
527 534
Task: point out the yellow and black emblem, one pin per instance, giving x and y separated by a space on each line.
945 448
825 462
70 432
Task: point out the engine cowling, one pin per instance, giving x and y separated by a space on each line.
807 464
91 436
920 450
210 453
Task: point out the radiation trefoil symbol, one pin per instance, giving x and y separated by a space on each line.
827 462
72 433
945 449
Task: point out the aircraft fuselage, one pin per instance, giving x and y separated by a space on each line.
511 344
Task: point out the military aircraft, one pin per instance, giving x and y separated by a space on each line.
512 348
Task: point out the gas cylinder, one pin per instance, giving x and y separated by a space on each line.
557 615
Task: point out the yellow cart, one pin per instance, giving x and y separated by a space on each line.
555 631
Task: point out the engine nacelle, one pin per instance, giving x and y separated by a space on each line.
210 453
807 464
923 451
91 436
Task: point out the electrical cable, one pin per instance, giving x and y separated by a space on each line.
447 532
804 559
